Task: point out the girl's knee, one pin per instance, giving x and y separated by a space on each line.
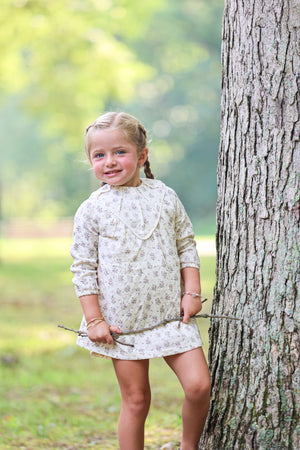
198 390
138 402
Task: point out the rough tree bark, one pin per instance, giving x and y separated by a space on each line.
255 365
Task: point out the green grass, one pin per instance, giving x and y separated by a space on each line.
53 394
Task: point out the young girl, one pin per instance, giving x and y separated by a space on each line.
135 264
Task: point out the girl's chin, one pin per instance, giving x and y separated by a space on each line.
116 180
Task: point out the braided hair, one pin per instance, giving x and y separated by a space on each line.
129 125
147 169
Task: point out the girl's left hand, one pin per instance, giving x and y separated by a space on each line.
189 307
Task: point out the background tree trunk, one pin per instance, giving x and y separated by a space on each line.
255 364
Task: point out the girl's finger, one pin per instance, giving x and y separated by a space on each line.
109 340
186 318
115 329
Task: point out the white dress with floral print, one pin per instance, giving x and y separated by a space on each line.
129 245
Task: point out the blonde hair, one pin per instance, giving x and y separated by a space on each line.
133 131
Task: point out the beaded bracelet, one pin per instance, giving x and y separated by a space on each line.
95 323
93 320
193 294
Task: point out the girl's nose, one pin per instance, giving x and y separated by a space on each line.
110 161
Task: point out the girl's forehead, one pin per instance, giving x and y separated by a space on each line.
106 138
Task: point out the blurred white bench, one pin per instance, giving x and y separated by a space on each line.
206 247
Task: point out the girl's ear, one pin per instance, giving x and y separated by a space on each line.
143 155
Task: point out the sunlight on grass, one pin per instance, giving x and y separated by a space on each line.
53 394
29 249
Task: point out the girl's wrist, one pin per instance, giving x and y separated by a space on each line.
95 323
88 322
195 294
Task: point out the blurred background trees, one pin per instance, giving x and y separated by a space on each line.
65 62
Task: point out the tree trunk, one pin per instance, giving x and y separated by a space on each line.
254 363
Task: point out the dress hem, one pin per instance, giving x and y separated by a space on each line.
128 357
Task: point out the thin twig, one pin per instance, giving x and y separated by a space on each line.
174 319
84 334
163 322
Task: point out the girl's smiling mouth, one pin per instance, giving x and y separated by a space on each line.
112 172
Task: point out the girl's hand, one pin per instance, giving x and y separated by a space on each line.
102 333
189 307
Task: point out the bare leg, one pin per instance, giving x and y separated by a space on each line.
136 396
192 372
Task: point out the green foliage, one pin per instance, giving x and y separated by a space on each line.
39 177
53 394
69 57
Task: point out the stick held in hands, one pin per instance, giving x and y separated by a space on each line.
163 322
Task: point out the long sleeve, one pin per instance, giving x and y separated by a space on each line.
185 238
84 250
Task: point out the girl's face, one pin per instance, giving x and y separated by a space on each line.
115 160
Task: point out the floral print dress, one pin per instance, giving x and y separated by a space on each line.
129 245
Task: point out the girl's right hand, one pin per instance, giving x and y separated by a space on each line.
101 333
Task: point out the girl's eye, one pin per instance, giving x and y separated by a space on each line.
99 155
120 152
